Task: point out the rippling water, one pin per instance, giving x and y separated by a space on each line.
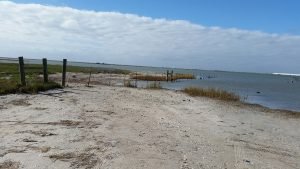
273 91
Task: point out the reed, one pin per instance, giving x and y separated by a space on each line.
211 93
149 77
178 76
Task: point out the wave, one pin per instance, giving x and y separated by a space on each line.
286 74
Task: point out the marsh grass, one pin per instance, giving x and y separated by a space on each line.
39 86
149 77
183 76
9 79
13 68
9 87
9 76
211 93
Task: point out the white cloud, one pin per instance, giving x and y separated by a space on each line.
37 31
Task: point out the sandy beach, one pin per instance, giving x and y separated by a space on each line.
118 127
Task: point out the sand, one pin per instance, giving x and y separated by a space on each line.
117 127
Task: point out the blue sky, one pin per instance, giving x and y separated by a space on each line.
232 35
272 16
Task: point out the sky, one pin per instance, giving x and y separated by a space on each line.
273 16
232 35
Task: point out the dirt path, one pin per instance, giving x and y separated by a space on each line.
115 127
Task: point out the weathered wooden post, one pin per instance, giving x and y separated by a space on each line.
63 83
45 70
172 76
167 75
22 71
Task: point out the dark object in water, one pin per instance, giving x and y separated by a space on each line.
258 92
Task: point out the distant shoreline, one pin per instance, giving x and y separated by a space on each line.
98 64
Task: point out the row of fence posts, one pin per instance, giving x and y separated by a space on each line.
170 74
45 71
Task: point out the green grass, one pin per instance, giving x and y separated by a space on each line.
39 86
9 87
211 93
9 76
13 68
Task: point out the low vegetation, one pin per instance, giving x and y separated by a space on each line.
149 77
162 77
183 76
10 87
211 93
39 86
154 85
13 68
9 76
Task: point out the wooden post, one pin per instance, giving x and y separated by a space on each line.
63 83
45 70
172 76
22 71
167 75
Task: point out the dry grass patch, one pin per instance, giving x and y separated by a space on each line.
183 76
212 93
149 77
